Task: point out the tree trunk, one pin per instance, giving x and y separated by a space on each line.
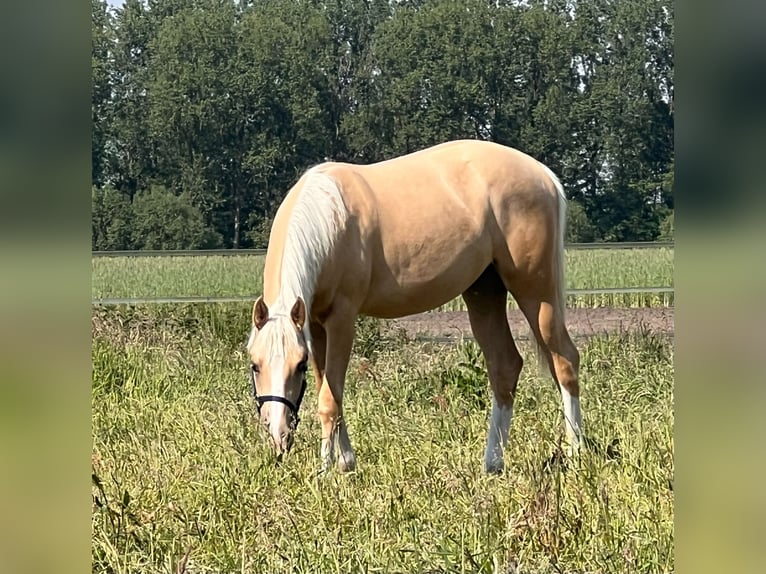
237 215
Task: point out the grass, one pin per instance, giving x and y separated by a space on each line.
242 275
183 479
212 275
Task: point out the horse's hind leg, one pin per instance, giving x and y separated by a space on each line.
486 301
562 357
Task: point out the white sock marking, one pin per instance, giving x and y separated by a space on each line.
497 437
572 418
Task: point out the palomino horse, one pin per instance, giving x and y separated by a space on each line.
404 236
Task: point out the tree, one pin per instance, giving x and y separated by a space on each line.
192 105
421 80
132 164
226 102
624 117
285 55
162 220
111 220
579 228
352 28
238 104
667 227
101 89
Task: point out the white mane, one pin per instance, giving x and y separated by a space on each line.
315 223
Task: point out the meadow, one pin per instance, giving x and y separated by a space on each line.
183 480
241 275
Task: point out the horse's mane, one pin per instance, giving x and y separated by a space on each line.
314 225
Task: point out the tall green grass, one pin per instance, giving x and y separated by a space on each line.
209 275
603 268
182 475
242 275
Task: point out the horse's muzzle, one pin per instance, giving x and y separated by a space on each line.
282 442
279 432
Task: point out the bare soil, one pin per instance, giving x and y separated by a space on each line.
581 323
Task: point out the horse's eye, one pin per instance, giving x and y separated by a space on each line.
303 366
256 368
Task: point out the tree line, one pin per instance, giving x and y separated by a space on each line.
205 112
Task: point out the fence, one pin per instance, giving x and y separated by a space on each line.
251 298
248 298
234 252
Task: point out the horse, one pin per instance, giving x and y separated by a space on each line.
404 236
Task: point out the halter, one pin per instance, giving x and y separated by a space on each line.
277 399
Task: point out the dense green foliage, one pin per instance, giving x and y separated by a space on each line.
180 467
223 103
242 275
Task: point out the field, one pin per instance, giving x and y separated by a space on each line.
183 480
241 275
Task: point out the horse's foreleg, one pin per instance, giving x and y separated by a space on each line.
340 338
318 353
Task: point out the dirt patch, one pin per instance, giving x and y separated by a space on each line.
582 323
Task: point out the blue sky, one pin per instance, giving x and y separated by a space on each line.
114 3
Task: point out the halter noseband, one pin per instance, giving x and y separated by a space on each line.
259 400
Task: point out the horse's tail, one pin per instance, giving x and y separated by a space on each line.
558 256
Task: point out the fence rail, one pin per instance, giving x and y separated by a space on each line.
235 252
99 301
522 336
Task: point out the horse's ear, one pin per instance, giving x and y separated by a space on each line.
260 313
298 313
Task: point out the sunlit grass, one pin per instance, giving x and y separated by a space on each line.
242 275
208 275
603 268
180 466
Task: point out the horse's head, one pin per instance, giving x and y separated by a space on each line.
278 361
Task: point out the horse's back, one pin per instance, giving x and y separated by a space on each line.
452 193
429 223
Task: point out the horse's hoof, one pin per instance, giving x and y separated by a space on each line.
494 467
347 462
324 468
557 460
613 450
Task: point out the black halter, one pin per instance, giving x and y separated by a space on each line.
259 400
